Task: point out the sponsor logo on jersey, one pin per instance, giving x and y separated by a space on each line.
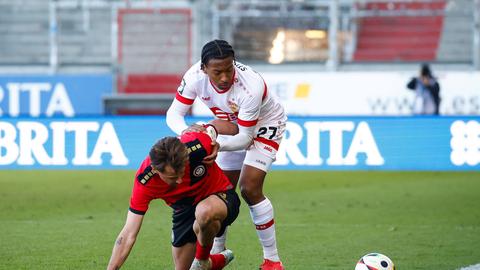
223 115
206 98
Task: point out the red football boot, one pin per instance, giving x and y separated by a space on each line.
269 265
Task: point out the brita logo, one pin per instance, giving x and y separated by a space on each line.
330 136
60 143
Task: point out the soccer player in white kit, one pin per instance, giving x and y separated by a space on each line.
236 93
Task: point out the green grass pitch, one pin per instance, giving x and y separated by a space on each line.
324 220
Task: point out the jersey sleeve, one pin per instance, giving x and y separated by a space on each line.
182 103
249 110
186 90
140 198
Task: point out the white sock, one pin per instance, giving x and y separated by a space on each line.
219 243
262 216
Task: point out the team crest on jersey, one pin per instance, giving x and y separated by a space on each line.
233 106
199 171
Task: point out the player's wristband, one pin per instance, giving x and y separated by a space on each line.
211 131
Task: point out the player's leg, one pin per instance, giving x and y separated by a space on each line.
252 178
183 256
209 216
212 216
183 237
230 163
233 176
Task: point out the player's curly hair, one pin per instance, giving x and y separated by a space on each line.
169 151
216 49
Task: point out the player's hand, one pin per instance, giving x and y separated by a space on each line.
194 128
208 160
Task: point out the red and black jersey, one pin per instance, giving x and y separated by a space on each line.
199 181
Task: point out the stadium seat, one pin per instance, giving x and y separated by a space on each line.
399 38
136 85
150 84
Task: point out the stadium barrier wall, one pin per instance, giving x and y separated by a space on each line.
310 143
50 96
365 93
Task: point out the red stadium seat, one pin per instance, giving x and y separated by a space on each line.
150 84
399 38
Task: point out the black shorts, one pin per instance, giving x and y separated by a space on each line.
184 215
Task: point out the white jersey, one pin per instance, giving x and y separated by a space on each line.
247 102
259 115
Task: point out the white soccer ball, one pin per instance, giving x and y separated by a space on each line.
375 261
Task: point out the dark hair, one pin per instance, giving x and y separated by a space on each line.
169 151
216 49
425 71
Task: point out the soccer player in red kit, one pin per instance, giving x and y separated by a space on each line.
203 200
236 93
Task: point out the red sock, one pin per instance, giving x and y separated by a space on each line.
218 261
202 253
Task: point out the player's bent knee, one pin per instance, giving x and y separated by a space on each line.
204 214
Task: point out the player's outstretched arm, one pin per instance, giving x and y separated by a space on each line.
176 116
125 240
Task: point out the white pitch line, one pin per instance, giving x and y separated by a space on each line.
471 267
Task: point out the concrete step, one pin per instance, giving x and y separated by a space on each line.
14 38
22 18
82 50
72 59
456 41
31 27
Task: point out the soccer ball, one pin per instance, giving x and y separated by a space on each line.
375 261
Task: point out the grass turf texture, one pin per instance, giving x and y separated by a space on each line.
325 220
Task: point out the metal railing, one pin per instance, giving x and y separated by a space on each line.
85 6
336 13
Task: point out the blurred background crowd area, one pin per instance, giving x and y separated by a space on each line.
148 45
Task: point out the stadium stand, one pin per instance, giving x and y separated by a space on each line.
252 25
400 38
457 38
24 31
154 49
150 45
84 40
83 35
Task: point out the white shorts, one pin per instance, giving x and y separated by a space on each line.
231 160
261 154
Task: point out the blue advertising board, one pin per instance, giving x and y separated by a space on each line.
49 96
316 143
